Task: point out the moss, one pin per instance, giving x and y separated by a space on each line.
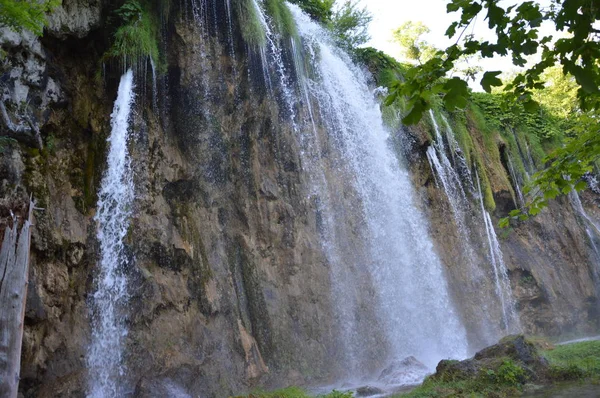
253 32
294 392
282 17
486 188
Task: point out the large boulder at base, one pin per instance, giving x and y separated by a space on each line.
406 371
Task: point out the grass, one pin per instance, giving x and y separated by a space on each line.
575 361
294 392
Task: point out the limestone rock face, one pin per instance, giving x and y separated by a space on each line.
75 18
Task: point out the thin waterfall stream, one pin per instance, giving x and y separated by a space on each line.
510 318
104 356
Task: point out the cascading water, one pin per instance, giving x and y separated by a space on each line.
411 292
520 199
450 181
104 356
503 289
591 227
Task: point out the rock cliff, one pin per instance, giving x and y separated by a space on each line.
229 284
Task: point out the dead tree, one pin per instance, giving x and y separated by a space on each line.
14 271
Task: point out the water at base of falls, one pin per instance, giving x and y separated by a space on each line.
104 356
410 294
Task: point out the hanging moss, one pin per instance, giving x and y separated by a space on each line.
282 17
252 30
486 189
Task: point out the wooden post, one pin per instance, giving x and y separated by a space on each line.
14 272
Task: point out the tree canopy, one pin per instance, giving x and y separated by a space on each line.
517 31
26 14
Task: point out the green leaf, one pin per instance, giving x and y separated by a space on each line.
504 222
514 213
490 79
457 93
580 185
451 31
416 113
586 78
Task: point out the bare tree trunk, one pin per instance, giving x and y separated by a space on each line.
14 271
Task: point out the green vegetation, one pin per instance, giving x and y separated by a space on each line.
505 376
349 25
282 17
414 48
347 21
319 10
295 392
502 379
517 30
26 14
136 38
252 30
575 361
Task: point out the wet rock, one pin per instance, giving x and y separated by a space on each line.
406 371
368 391
517 349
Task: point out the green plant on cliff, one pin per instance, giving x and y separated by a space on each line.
26 14
250 25
136 38
282 17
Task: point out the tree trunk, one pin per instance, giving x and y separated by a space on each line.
14 271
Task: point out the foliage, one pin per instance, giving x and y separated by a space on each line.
517 32
506 380
319 10
414 47
136 38
349 25
282 17
252 30
26 14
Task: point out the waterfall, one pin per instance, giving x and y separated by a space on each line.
591 227
154 87
411 294
520 200
104 356
503 289
276 60
449 178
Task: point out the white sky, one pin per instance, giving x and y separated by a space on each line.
389 14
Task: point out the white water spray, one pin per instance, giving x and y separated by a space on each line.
104 357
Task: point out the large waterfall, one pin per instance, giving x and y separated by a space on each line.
412 302
115 199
